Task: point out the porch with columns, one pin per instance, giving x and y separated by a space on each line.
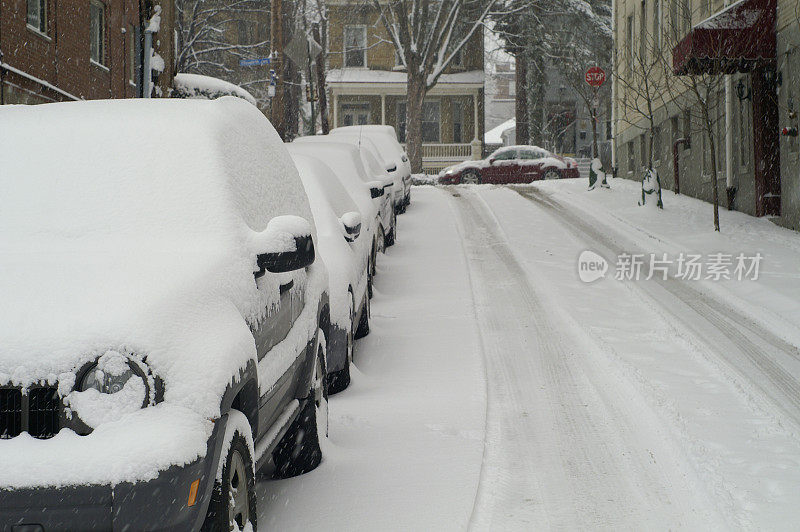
364 96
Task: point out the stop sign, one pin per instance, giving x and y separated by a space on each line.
595 76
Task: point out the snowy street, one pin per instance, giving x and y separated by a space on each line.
499 391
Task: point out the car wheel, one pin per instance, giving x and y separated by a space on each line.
233 501
551 173
298 451
340 380
390 237
363 323
381 240
471 177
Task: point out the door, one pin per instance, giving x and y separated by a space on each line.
530 165
270 332
502 165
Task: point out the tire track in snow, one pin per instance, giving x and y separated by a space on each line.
559 450
719 325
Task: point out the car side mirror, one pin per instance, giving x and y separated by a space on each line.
351 224
375 189
492 160
289 246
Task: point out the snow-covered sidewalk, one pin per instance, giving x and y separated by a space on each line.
406 437
685 225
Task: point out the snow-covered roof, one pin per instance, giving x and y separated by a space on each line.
495 135
206 87
363 75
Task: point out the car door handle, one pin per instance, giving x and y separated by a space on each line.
286 287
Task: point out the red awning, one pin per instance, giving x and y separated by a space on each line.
737 39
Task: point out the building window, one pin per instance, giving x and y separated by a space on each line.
657 24
629 32
355 46
631 162
458 123
643 33
355 114
687 128
97 32
643 140
131 41
582 135
430 121
37 15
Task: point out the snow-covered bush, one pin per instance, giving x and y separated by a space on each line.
207 88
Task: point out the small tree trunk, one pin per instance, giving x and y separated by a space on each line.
714 193
415 97
521 100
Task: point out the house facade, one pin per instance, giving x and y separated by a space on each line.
367 85
751 48
60 51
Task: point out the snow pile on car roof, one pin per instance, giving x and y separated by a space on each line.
137 233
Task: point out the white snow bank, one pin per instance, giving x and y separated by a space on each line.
206 87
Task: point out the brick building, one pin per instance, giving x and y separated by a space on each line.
70 50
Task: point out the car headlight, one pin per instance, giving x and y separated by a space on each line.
108 381
115 385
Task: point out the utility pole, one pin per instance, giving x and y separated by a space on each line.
277 109
321 96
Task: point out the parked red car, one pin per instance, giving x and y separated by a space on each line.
511 164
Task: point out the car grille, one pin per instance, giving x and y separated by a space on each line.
38 412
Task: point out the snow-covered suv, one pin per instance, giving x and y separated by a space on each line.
160 315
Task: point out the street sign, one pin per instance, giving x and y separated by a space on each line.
255 62
595 77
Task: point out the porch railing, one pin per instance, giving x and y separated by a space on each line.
438 156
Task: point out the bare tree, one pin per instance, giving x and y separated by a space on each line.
643 77
214 35
584 41
699 97
427 35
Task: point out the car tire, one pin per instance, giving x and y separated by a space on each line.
340 380
363 322
551 173
299 451
229 505
381 240
390 236
471 177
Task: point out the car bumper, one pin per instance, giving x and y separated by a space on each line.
570 173
158 504
452 179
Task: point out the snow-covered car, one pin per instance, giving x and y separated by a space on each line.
392 153
511 164
160 315
366 166
347 256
